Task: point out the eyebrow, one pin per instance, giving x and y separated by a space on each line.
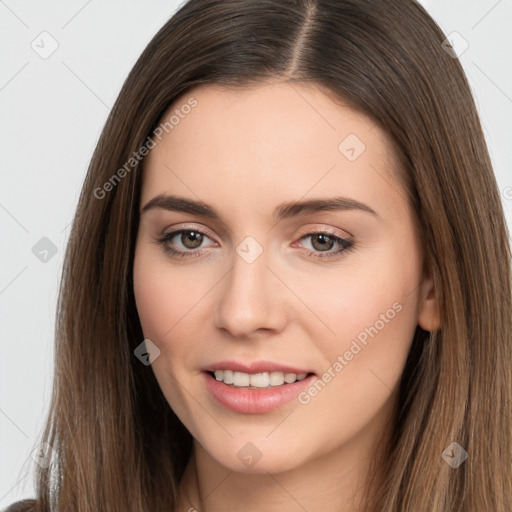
282 211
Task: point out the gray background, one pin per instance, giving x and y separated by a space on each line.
52 112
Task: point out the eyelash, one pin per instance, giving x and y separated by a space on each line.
346 245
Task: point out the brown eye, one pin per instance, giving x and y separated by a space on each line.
321 244
322 241
191 239
183 243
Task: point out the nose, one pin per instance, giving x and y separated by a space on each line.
252 298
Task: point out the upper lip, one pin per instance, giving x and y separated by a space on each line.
255 367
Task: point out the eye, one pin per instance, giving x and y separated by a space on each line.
324 241
190 240
189 243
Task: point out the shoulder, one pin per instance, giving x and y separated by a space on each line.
22 506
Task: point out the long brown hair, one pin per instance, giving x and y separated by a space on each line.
117 445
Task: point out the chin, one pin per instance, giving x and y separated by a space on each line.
256 457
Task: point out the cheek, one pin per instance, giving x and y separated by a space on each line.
154 298
163 296
364 312
162 311
363 361
370 310
172 308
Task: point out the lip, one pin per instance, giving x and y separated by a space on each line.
255 367
254 401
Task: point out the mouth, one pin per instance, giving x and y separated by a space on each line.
259 392
260 380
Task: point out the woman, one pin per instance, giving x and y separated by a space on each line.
209 356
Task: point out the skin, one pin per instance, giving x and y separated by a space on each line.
245 151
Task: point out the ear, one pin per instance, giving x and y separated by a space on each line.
429 317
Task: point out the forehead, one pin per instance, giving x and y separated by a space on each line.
294 112
278 141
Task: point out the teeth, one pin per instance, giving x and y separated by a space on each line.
241 379
228 377
257 380
276 378
289 378
260 380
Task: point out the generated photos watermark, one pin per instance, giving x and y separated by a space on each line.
137 156
344 359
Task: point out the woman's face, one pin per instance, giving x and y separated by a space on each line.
301 258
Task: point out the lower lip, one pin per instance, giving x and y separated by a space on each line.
255 401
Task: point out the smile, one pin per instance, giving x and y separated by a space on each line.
256 380
244 398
